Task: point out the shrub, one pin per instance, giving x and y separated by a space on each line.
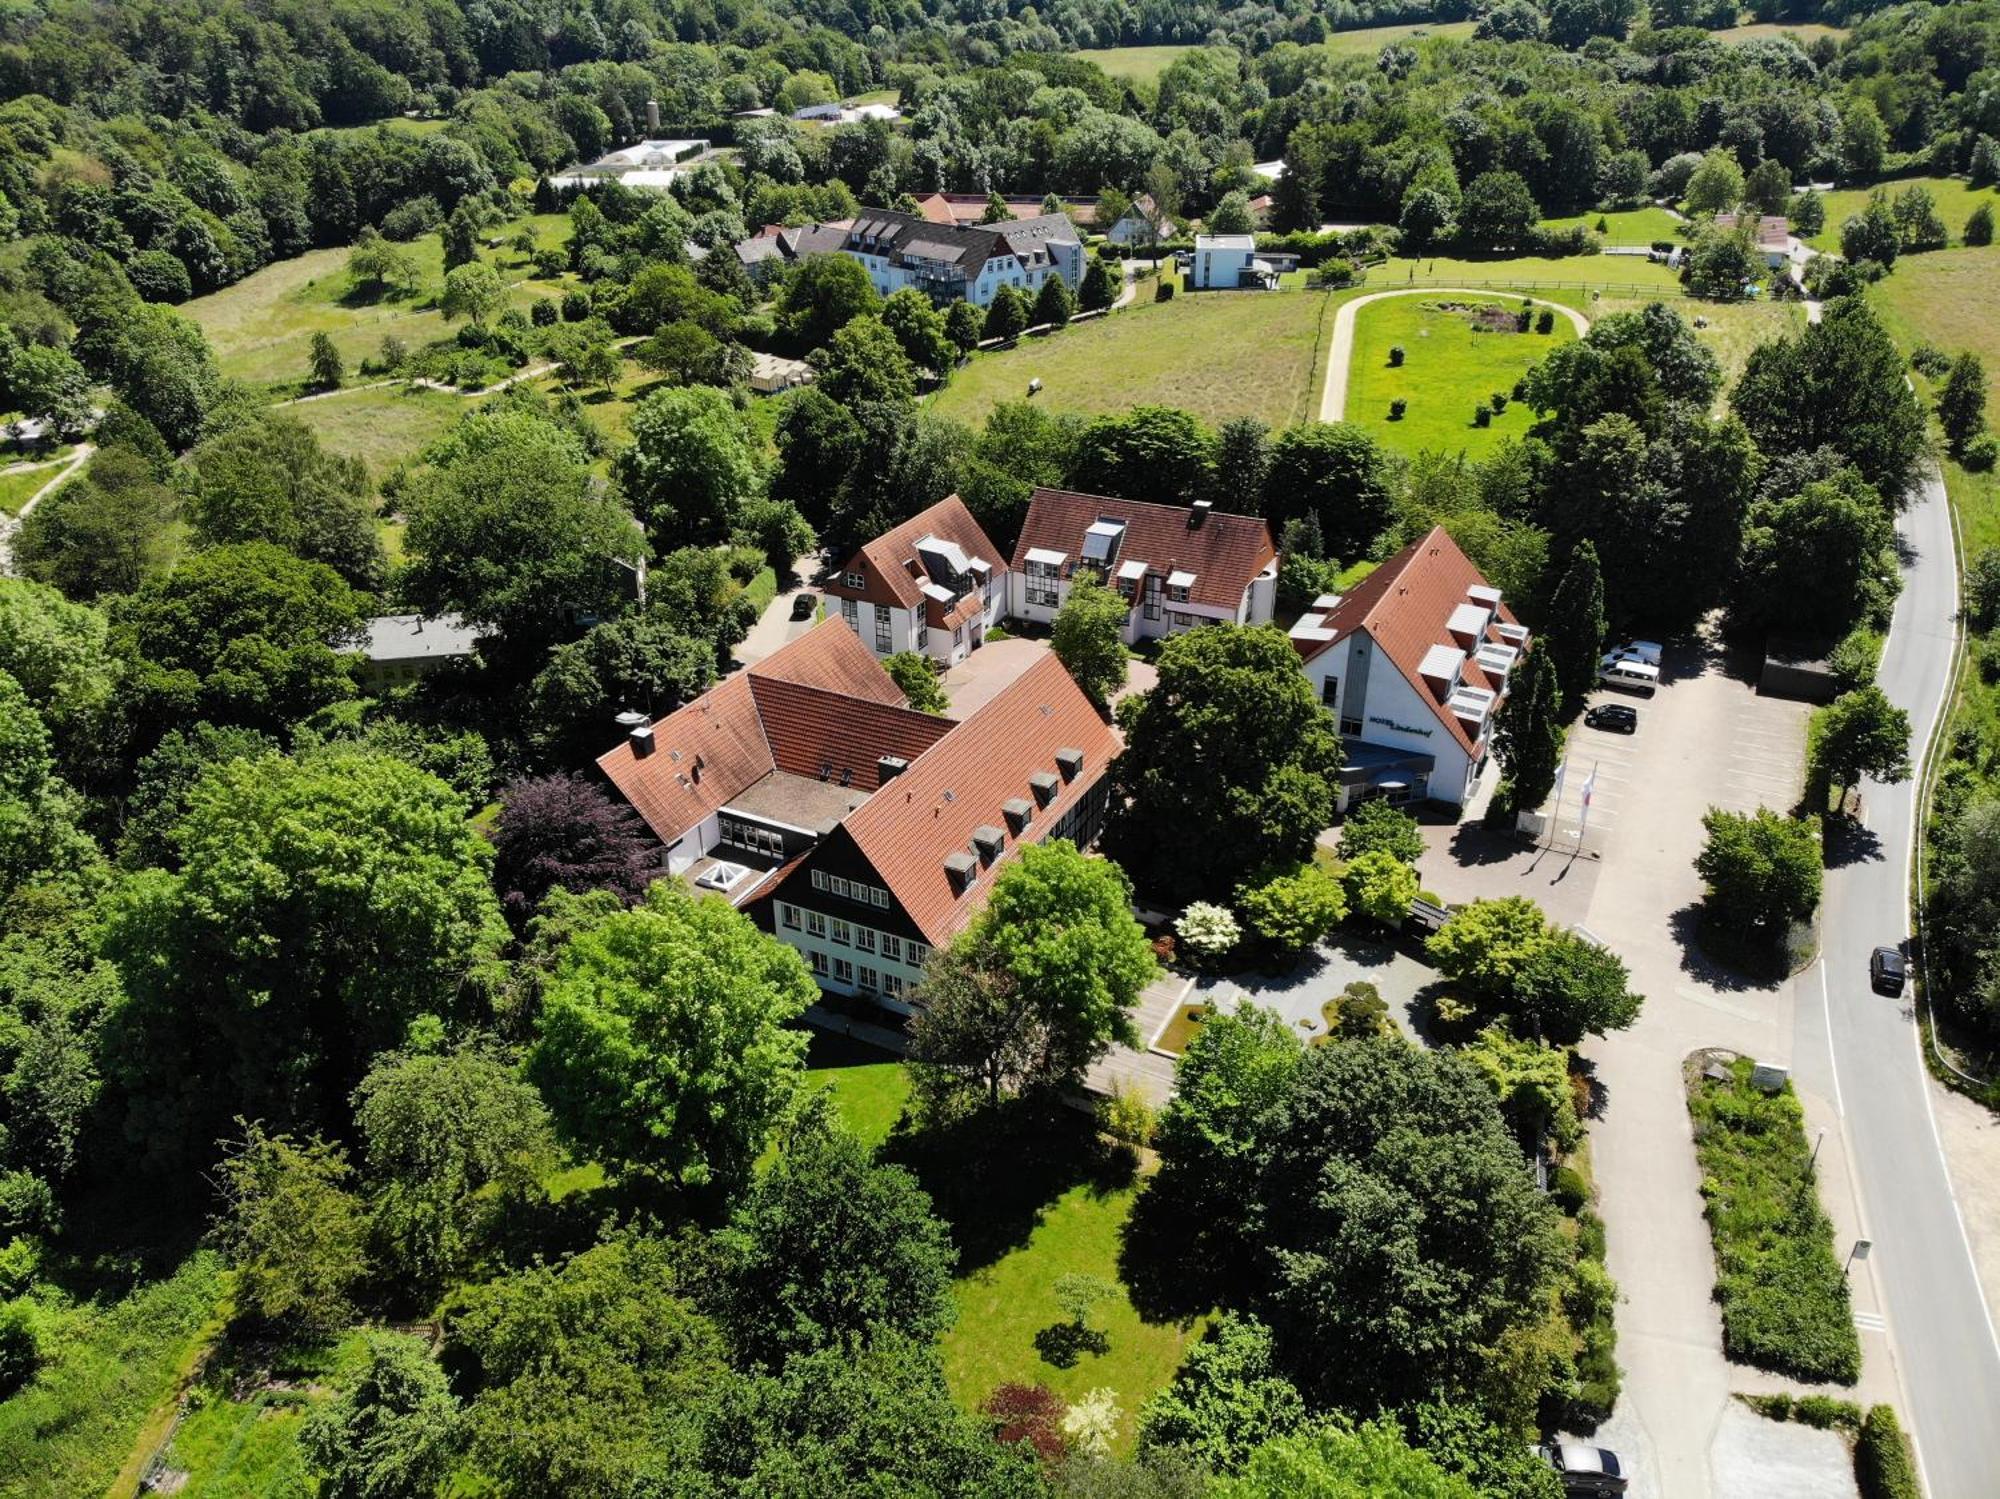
1396 409
1498 402
1125 1115
576 305
1207 930
1396 355
1570 1190
20 1345
413 219
1883 1467
544 312
1982 587
1290 912
1930 361
1981 454
1482 416
1545 321
1028 1413
1164 292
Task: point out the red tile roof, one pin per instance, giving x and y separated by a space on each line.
907 829
1225 552
829 657
894 575
814 733
1405 605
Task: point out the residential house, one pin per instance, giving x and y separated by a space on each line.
1136 227
1414 664
766 253
401 648
934 584
1177 566
1770 233
862 832
948 262
1229 262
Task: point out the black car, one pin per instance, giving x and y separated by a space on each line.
1887 970
1595 1471
805 605
1615 718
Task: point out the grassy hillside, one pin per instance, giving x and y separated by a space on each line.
1955 201
1134 64
1218 354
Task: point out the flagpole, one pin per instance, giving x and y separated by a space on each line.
1562 775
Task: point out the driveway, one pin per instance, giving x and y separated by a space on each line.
1340 354
775 627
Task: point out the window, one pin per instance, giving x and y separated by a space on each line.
843 933
867 978
818 960
819 879
1329 692
918 953
958 635
864 938
843 971
880 896
1043 578
1178 595
1180 619
851 612
746 835
882 641
789 915
1153 597
892 986
839 886
892 948
815 924
853 580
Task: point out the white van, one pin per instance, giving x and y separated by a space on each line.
1632 675
1648 651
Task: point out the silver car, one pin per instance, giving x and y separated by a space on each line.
1586 1470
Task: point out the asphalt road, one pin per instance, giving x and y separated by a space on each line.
1944 1338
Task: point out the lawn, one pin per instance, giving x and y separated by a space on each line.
1784 1296
1528 272
261 328
240 1438
1134 64
384 426
69 1430
1804 32
1634 226
1371 39
1449 367
1955 201
1950 298
17 489
1217 354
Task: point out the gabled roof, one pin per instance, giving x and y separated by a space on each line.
894 572
886 231
822 700
1225 552
964 782
1408 606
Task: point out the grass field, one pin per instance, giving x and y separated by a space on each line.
1134 64
1730 329
261 328
1528 272
1448 369
241 1436
1950 298
384 426
17 489
70 1429
1217 354
1955 201
1371 39
1805 32
1636 226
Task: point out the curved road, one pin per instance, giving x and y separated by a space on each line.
1340 353
1944 1339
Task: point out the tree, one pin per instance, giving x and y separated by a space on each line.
1768 188
1293 911
380 263
584 355
327 369
1488 944
580 1373
912 673
1961 402
974 1027
394 1434
1380 886
1818 560
1860 733
1377 826
1088 637
964 325
323 906
1226 1400
1716 187
268 479
1157 452
1762 869
997 211
1497 211
1371 1461
293 1229
449 1141
1006 314
1918 225
1979 225
1055 304
460 237
919 330
49 384
41 835
1207 931
1836 383
1721 263
471 291
1573 987
694 461
831 1250
1229 764
158 360
679 1000
1231 214
239 634
1528 732
821 296
1864 140
686 353
1099 288
509 530
862 364
565 831
643 662
1871 235
1338 473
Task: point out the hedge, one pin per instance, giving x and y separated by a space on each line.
1883 1466
1784 1294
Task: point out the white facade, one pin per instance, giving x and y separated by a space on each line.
889 277
1160 606
1374 702
1226 262
887 629
848 956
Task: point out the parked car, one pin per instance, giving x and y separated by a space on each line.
1586 1470
1615 718
805 606
1648 651
1887 970
1630 674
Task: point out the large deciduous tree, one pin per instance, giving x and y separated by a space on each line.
1229 764
1088 637
393 1434
641 662
1370 1461
1154 453
270 480
1226 1400
1818 560
693 463
822 295
565 832
664 1043
293 1228
1762 869
1337 473
1860 733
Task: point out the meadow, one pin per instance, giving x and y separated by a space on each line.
1955 198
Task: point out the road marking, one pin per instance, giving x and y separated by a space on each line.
1871 1322
1826 1015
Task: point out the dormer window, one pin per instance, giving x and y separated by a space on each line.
854 580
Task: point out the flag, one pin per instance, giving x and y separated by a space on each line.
1556 786
1589 785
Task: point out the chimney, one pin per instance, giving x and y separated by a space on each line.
641 740
888 768
1198 512
653 116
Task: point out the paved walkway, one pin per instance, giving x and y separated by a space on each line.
1140 1069
775 626
1333 399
